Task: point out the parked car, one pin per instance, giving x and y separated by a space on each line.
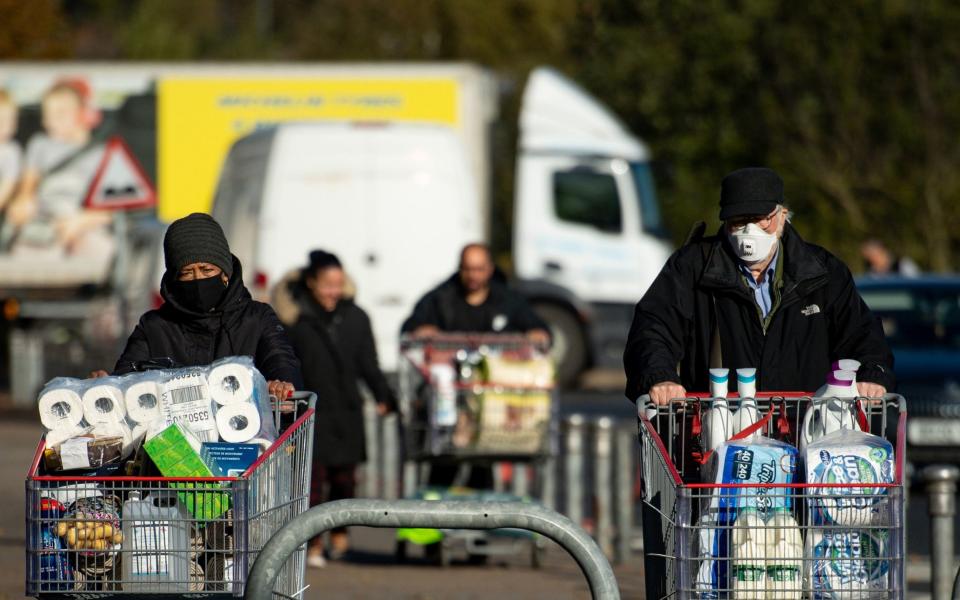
921 318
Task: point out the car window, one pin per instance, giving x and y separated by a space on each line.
918 317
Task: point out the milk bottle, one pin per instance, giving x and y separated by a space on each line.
747 414
748 573
784 557
156 544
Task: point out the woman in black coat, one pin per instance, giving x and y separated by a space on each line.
208 313
334 341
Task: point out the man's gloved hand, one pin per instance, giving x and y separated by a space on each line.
662 393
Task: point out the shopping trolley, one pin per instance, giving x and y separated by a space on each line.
709 540
125 535
470 401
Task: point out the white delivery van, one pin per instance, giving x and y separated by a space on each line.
398 199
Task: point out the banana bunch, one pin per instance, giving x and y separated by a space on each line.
84 531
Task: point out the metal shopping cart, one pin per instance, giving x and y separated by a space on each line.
740 540
119 535
470 402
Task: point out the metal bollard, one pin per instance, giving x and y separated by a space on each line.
574 469
371 471
626 449
941 483
520 484
390 455
603 484
548 482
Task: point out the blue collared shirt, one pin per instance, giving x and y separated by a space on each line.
761 291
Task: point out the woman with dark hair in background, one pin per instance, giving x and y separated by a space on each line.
334 341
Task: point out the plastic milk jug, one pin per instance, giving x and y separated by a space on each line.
833 410
748 413
784 557
156 544
717 424
845 364
748 575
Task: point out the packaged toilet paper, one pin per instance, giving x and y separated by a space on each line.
756 461
846 457
848 564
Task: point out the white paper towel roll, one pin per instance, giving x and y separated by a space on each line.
61 409
231 383
238 423
104 404
142 400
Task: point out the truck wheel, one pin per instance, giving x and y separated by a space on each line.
569 349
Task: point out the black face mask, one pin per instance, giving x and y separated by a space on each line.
199 295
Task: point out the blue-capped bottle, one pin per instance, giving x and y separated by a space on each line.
54 564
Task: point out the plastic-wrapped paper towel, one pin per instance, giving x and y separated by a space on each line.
845 457
848 564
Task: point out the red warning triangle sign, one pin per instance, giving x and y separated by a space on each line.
120 182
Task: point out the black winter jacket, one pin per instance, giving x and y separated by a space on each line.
239 327
446 308
337 350
820 318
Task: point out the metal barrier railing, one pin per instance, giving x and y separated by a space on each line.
592 481
433 514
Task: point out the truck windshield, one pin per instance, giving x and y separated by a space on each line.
650 218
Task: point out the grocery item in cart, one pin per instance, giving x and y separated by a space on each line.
756 461
748 575
175 456
784 554
849 457
156 543
747 412
84 452
56 572
510 372
848 564
717 422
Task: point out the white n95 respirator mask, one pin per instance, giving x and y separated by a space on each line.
751 244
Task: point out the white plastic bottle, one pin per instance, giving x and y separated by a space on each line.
748 573
784 557
832 408
717 423
845 364
748 413
156 544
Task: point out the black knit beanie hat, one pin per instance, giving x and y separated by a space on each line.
196 238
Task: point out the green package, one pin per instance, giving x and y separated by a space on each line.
175 457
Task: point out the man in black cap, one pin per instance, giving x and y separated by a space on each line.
208 313
752 295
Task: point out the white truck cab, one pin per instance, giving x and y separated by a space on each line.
588 239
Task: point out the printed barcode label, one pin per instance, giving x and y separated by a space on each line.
187 394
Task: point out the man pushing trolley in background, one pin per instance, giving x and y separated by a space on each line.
753 295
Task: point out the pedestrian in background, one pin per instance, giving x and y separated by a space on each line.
333 338
880 261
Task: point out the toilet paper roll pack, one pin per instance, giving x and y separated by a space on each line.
61 408
238 423
142 399
231 382
104 403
